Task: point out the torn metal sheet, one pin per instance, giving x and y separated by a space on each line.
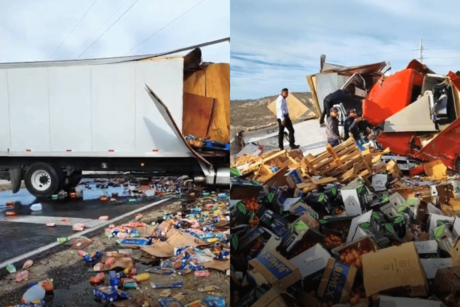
332 77
172 124
415 117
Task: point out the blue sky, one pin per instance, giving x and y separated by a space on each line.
32 30
276 43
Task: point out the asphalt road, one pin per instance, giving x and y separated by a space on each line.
27 231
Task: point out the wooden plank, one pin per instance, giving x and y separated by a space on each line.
295 106
333 154
345 144
196 115
195 83
273 156
218 87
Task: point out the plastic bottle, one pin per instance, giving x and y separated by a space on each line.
203 273
21 276
63 240
97 280
36 207
11 268
34 293
142 277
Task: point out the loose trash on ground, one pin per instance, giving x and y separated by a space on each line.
342 228
167 248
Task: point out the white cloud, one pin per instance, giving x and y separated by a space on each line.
275 44
31 30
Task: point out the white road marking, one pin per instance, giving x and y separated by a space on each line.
34 219
42 249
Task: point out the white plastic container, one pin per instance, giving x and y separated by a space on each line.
36 207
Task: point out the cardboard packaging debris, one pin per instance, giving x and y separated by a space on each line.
270 268
347 226
455 252
388 301
447 280
274 298
427 249
395 268
431 266
312 260
337 281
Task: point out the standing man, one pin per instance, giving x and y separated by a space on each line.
282 114
335 98
332 128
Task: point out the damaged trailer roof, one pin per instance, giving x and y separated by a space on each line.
102 61
341 69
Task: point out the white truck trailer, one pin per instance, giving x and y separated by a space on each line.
58 119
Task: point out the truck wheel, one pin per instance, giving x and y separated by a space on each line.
42 180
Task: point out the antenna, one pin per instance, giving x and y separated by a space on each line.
420 48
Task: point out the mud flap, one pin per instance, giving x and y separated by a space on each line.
15 178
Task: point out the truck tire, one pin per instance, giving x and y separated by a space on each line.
15 178
42 179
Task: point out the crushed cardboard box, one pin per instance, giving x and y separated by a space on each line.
344 227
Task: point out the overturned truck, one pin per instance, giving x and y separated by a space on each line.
414 112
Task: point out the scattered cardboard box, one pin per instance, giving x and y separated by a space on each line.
355 231
395 268
447 280
294 177
272 269
431 266
379 182
337 282
427 249
312 260
274 298
436 170
455 252
389 301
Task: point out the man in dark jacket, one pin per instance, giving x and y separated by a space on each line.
351 125
332 128
356 125
336 98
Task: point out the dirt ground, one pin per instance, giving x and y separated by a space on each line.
253 114
71 276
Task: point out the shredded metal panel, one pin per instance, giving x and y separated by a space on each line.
414 117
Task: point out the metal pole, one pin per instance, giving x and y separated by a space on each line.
421 51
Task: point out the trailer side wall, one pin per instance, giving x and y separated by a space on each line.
91 110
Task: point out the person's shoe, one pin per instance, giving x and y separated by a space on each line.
281 148
294 146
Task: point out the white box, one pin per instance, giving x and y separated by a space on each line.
355 232
432 265
351 200
312 260
426 247
379 182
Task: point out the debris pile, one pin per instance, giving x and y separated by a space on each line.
343 228
153 260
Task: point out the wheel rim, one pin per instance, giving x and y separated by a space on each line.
41 180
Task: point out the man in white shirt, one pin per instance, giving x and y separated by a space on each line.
282 114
